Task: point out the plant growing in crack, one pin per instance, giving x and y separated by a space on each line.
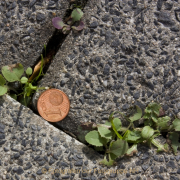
118 141
71 21
25 88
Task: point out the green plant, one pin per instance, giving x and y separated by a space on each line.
117 140
75 16
25 89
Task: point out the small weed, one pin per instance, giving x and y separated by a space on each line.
26 87
75 17
117 141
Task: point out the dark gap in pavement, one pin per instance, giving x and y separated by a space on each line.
52 47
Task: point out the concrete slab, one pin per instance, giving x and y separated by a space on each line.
26 27
128 53
31 149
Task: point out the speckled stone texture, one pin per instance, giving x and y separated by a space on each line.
31 149
128 53
25 27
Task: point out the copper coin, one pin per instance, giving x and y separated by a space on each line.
53 105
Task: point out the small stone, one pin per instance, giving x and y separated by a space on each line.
171 164
178 74
106 69
78 163
40 17
145 167
51 161
149 75
105 83
20 171
93 25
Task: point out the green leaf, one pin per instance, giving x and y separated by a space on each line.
29 71
153 107
77 14
13 73
24 80
147 115
119 147
137 115
132 136
104 132
107 163
147 132
148 122
117 123
163 122
107 123
132 150
94 138
3 90
160 146
2 80
174 137
176 124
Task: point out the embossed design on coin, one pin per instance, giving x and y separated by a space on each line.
53 105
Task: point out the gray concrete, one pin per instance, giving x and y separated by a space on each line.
32 149
128 53
25 28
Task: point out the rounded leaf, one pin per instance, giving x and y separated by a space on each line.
24 80
2 80
80 27
29 71
147 132
13 72
94 138
117 123
58 23
77 14
3 90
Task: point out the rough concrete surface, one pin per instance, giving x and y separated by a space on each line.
128 53
32 149
25 27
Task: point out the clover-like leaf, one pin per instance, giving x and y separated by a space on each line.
58 23
147 132
80 27
137 115
132 136
117 123
94 138
13 73
153 107
29 71
24 80
176 124
119 147
174 137
76 14
105 132
163 122
3 90
2 80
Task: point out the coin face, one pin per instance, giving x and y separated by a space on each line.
53 105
